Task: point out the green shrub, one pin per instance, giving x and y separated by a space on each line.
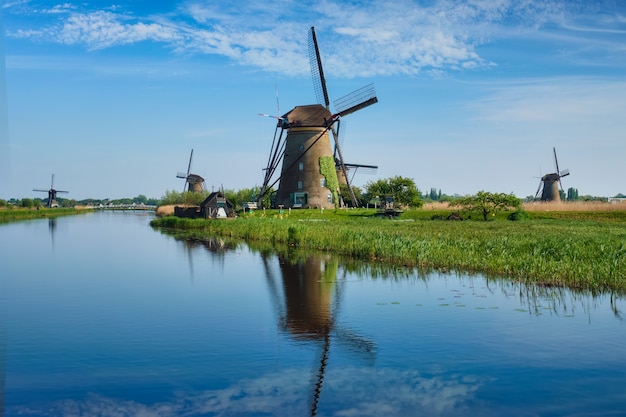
518 215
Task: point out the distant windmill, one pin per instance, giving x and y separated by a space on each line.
302 144
551 183
193 182
52 194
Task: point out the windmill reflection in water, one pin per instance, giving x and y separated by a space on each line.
308 307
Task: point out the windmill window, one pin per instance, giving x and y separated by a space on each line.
323 182
301 148
330 198
301 166
299 185
299 199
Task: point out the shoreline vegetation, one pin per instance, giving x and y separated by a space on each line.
576 245
15 214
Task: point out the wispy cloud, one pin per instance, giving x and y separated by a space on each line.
9 4
359 39
102 29
59 8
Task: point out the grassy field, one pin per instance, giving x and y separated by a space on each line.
583 248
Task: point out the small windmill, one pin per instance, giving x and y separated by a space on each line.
551 183
193 182
52 194
302 144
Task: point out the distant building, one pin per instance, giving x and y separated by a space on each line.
217 206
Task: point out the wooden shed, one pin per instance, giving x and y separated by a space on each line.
217 206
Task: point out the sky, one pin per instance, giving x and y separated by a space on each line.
111 97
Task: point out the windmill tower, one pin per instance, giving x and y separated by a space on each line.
551 183
52 194
194 183
302 143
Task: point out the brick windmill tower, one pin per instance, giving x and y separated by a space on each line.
302 145
550 184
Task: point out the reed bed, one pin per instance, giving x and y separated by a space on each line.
550 206
575 206
578 254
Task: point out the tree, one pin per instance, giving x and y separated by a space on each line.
572 194
434 194
402 189
66 202
170 197
27 203
186 197
241 196
488 203
140 199
345 193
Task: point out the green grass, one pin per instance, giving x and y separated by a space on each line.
567 251
14 214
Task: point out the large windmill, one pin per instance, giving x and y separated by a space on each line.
52 194
193 182
551 183
308 176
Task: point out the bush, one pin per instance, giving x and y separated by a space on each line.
488 204
518 215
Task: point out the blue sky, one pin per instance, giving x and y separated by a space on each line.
473 95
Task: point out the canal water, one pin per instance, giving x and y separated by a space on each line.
100 315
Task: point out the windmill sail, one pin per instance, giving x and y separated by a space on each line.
357 100
52 193
317 72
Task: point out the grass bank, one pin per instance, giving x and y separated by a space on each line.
14 214
584 253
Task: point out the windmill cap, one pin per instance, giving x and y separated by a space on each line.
314 115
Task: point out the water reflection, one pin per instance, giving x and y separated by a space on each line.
560 301
3 362
216 247
52 226
99 339
308 310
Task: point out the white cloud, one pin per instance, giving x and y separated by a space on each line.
59 8
8 4
104 29
371 38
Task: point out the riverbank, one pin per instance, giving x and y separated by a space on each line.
583 251
14 214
